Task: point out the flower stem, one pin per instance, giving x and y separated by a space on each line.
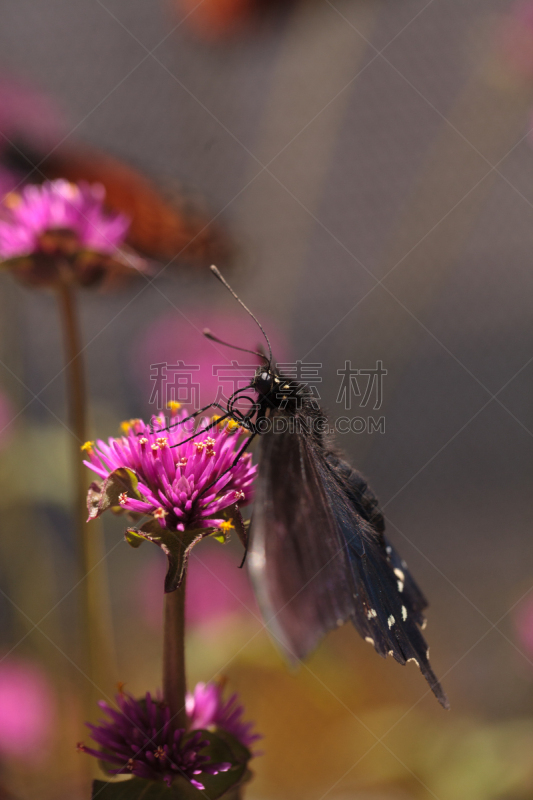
174 684
95 611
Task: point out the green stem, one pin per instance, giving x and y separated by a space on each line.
174 684
96 618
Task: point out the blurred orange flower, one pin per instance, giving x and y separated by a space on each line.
216 18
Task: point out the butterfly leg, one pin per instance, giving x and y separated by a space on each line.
193 416
245 446
204 430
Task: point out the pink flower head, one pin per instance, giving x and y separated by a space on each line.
186 488
27 710
206 709
60 226
139 739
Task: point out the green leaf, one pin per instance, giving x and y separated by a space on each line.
102 496
224 747
133 538
138 789
135 789
176 545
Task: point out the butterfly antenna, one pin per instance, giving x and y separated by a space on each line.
208 335
216 272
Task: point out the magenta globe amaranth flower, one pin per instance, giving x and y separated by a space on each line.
187 489
60 231
206 708
139 739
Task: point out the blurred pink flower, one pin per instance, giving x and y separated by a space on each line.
27 710
216 588
207 709
515 39
59 231
173 337
523 623
60 206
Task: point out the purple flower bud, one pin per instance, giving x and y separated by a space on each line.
139 738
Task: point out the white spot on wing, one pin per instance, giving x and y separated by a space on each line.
404 613
401 578
391 621
424 625
369 639
416 662
371 613
388 549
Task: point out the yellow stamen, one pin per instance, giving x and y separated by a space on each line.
173 406
87 447
226 526
233 425
128 424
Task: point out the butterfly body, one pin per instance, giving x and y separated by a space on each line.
318 553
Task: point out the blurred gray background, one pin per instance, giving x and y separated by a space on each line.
371 160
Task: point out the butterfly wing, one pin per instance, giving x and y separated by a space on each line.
388 604
296 559
318 556
366 504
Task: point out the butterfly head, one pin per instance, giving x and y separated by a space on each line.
265 381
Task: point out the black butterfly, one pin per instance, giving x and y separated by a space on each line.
318 555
